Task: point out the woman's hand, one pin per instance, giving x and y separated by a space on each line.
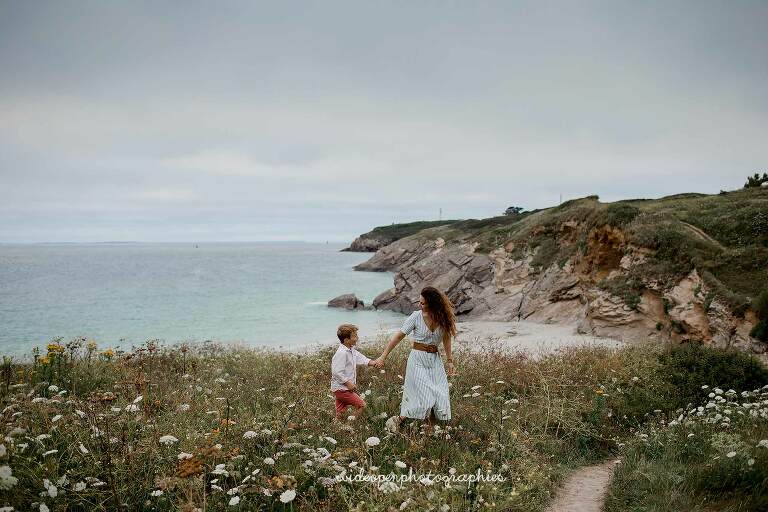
378 362
450 368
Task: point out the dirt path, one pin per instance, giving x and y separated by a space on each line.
584 490
701 234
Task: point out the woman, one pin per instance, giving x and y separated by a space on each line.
425 393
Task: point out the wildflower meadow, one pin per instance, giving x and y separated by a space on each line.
213 427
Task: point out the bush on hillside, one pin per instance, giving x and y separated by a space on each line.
617 215
756 180
760 331
689 366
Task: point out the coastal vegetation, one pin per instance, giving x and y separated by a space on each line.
209 427
724 237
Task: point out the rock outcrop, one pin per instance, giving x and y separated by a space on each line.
346 301
506 284
367 244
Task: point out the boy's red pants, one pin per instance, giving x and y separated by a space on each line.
346 398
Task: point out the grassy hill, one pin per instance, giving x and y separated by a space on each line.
723 236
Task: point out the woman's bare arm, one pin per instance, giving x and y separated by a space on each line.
396 338
449 356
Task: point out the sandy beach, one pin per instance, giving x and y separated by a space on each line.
534 338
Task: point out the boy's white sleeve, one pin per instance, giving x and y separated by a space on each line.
360 358
337 367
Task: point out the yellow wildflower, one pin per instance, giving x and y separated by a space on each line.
109 353
44 360
55 347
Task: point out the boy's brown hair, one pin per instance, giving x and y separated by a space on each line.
345 331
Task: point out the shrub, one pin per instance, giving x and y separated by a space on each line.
760 331
617 215
689 366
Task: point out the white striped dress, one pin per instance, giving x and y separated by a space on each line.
426 383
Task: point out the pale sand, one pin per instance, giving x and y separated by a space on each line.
533 338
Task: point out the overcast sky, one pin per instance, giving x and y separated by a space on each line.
199 121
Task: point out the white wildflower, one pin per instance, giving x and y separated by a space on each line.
389 486
401 464
730 455
80 486
269 461
82 449
168 440
56 418
372 441
184 456
288 496
234 501
250 435
7 480
52 490
220 470
156 493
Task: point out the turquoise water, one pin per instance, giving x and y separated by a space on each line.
124 294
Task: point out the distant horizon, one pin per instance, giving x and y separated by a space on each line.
336 240
175 242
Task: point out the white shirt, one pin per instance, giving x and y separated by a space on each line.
344 367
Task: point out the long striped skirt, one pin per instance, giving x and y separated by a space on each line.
426 387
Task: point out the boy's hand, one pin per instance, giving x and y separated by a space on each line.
377 363
350 386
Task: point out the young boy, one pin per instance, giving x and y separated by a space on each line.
344 371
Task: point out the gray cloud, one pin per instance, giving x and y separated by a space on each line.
316 121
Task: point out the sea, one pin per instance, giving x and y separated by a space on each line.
121 295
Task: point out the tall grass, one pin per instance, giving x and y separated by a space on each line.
211 428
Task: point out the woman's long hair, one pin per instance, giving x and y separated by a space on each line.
440 310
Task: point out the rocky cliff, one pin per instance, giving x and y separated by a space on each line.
680 268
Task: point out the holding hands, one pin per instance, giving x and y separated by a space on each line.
378 363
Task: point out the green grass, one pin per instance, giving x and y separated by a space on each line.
530 421
398 231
